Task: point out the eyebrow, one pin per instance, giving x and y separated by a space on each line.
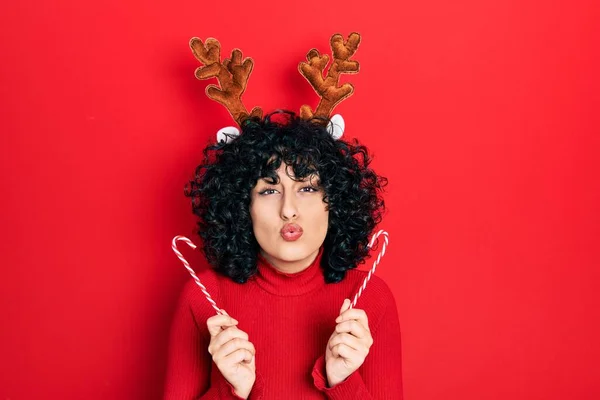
315 178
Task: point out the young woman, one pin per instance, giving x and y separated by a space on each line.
285 214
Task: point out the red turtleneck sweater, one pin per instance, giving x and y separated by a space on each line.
289 319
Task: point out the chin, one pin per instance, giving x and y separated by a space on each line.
293 251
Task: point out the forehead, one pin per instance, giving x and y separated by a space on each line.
287 168
285 172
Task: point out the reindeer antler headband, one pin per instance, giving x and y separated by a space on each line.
232 75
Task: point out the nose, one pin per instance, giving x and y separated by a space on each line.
289 208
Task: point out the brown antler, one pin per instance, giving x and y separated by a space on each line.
232 75
328 90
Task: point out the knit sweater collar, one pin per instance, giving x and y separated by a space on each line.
289 284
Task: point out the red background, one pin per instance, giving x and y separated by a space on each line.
483 114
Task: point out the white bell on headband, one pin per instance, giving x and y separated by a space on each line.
336 126
227 134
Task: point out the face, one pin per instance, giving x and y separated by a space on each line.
280 212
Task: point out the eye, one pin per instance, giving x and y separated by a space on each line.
310 189
267 191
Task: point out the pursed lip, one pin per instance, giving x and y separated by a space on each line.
291 228
291 232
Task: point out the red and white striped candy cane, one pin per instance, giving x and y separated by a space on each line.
214 305
191 271
372 271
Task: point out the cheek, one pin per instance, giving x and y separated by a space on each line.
254 214
260 214
320 215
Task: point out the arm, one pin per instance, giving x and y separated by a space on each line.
190 366
380 376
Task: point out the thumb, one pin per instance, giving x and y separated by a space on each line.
345 306
233 320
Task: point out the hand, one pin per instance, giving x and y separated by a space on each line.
349 344
232 352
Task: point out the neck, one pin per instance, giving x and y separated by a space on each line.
308 277
290 267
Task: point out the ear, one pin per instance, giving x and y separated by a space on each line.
227 134
336 126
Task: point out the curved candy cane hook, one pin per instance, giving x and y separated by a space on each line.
191 271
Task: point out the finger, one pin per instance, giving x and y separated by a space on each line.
227 314
356 314
347 339
225 336
353 327
238 356
231 347
345 305
346 352
217 323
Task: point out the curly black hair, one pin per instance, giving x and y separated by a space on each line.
221 192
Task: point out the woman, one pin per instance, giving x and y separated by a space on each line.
285 213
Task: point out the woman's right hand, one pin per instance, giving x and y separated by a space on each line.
232 352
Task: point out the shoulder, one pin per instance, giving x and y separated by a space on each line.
376 299
378 288
193 296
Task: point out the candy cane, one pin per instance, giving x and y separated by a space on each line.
191 271
214 305
372 271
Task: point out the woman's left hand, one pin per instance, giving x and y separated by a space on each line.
349 344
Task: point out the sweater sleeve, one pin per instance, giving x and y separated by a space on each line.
190 369
380 376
